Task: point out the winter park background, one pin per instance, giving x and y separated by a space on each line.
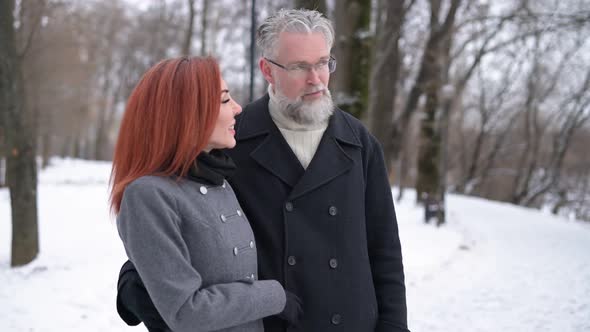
483 105
493 267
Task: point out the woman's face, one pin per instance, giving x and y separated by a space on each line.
224 132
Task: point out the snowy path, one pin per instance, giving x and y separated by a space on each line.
519 270
515 271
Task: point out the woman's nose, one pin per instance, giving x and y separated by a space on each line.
237 108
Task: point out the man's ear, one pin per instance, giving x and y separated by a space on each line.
266 71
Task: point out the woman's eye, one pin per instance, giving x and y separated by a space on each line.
225 101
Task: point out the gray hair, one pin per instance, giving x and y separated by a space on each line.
292 20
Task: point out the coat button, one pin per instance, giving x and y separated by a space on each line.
336 319
223 218
203 190
252 244
333 211
239 213
333 263
291 260
289 206
253 276
236 250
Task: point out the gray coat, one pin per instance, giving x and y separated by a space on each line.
195 251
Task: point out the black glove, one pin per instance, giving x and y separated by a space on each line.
134 304
293 311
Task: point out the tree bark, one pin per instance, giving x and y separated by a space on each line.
204 27
188 36
435 59
319 5
21 170
352 48
385 73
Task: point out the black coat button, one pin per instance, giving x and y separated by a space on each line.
336 319
289 206
333 211
291 260
333 263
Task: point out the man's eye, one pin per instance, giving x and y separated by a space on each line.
299 68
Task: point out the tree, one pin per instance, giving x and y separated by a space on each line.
188 36
352 49
319 5
21 170
385 71
429 82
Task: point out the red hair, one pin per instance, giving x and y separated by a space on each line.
168 121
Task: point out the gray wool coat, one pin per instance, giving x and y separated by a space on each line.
195 251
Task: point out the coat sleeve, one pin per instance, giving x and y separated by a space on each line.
384 245
149 226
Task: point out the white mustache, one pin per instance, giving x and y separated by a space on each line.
315 89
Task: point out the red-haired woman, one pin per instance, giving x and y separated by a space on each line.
177 216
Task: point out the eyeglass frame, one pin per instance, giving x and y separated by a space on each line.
331 60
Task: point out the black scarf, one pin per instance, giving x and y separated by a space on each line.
212 168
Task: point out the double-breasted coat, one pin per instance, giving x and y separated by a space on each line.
196 255
329 233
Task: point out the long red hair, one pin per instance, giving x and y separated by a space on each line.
168 120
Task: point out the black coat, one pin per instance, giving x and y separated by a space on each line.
329 233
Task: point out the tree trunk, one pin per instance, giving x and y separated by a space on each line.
352 48
204 27
385 74
319 5
429 187
21 173
188 36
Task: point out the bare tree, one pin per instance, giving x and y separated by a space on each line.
352 48
430 82
385 72
188 36
21 170
319 5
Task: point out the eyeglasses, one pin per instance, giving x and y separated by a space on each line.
301 69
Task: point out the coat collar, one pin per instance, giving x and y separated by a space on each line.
332 158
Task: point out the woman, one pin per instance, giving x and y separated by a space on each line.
178 218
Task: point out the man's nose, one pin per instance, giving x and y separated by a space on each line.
313 76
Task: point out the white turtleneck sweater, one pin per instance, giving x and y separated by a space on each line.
303 139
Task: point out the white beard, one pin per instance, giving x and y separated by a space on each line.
306 112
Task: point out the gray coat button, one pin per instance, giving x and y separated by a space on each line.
336 319
203 190
236 250
333 211
291 260
251 244
223 218
333 263
289 206
239 213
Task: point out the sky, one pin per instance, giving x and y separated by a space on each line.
493 267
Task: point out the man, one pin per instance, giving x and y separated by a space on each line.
313 183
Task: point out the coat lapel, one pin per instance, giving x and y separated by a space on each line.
273 153
333 157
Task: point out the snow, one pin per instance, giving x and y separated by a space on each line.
493 267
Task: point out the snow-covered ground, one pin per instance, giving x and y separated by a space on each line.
494 267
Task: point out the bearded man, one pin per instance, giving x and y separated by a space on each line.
312 181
